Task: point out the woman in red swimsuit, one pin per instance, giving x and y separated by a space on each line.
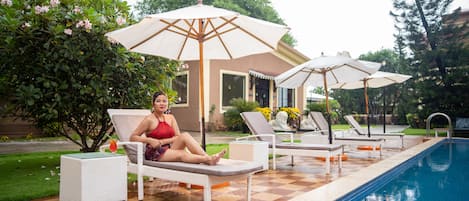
164 141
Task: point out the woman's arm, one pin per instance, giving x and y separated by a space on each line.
142 128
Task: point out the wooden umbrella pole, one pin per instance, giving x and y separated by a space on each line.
365 87
201 83
325 89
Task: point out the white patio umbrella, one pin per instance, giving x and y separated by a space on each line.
200 32
322 71
376 80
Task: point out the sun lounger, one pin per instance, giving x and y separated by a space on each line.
261 130
126 120
343 140
360 131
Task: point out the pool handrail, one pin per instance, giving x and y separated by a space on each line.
450 128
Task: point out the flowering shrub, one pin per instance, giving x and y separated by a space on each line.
4 138
59 69
265 111
293 112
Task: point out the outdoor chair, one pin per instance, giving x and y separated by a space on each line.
126 120
261 130
363 132
322 124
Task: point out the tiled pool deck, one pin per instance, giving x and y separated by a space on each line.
303 181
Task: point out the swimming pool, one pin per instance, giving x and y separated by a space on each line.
439 173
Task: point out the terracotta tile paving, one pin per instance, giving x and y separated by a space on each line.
282 184
272 185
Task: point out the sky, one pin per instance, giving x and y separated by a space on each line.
331 26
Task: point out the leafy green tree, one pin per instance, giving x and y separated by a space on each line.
318 90
408 98
59 70
353 101
437 56
394 93
260 9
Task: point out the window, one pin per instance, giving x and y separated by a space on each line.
286 97
233 86
180 85
262 95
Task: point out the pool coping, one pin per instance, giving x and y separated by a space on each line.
344 185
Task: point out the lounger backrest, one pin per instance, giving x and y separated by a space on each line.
125 121
355 125
257 123
320 121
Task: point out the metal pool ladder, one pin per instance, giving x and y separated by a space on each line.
449 130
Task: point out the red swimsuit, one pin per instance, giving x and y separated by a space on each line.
162 131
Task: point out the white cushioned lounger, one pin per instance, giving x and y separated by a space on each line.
126 120
263 131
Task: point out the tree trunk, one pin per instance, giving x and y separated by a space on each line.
431 40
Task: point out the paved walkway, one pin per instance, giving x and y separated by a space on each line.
65 145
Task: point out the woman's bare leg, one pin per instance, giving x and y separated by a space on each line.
216 157
172 155
180 155
186 140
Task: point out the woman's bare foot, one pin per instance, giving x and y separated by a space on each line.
215 158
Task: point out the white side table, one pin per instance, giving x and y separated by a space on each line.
93 176
250 151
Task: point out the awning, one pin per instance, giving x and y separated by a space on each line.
262 75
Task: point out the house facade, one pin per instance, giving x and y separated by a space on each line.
250 78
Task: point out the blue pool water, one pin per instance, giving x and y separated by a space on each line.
438 174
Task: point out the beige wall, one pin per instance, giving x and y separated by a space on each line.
188 116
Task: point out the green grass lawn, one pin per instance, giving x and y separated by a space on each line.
36 175
340 126
29 176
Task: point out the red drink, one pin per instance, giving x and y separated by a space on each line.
113 146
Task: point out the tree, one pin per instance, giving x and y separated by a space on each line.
394 93
437 55
59 70
260 9
353 101
408 96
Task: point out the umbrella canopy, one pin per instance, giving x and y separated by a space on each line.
376 80
200 32
322 71
176 34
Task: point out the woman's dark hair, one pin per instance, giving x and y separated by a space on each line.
156 94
